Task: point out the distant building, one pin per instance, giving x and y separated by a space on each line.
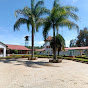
9 49
71 51
21 49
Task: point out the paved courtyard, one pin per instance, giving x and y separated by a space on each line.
21 73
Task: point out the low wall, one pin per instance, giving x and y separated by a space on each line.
71 53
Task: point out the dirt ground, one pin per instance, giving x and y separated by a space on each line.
21 73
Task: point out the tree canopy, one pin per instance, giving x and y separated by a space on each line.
60 42
73 43
60 16
82 39
31 16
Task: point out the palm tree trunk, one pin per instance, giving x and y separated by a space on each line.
54 49
32 42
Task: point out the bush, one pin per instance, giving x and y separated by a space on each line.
85 59
16 51
35 52
28 52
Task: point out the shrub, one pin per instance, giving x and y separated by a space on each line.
16 51
35 52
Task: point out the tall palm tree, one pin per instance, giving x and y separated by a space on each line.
31 16
59 16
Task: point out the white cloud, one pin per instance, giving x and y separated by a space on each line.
74 1
37 43
41 42
67 43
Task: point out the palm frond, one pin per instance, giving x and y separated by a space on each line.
32 5
47 26
74 16
39 23
28 24
43 11
39 4
19 22
69 24
25 12
71 8
55 3
17 12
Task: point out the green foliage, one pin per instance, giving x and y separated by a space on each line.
31 16
35 52
28 52
73 43
59 41
59 16
35 47
15 51
75 59
82 39
85 59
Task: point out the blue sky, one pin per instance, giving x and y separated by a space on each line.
7 20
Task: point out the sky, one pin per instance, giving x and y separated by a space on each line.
7 21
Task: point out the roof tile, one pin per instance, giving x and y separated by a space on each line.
17 47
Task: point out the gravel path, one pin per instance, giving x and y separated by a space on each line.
21 73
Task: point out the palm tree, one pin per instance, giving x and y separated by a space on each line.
59 16
60 42
31 16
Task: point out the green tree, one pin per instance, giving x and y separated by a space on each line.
73 43
31 16
59 16
60 43
82 39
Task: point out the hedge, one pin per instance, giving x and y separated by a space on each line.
45 56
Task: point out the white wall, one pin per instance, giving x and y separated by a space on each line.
71 53
4 50
47 43
48 50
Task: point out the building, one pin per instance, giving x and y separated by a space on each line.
77 50
70 51
21 49
2 49
6 49
48 49
40 51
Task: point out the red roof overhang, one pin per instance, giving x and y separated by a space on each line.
17 47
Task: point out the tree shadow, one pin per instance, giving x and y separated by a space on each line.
29 63
7 60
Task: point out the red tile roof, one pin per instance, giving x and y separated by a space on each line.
16 47
49 38
40 49
76 48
